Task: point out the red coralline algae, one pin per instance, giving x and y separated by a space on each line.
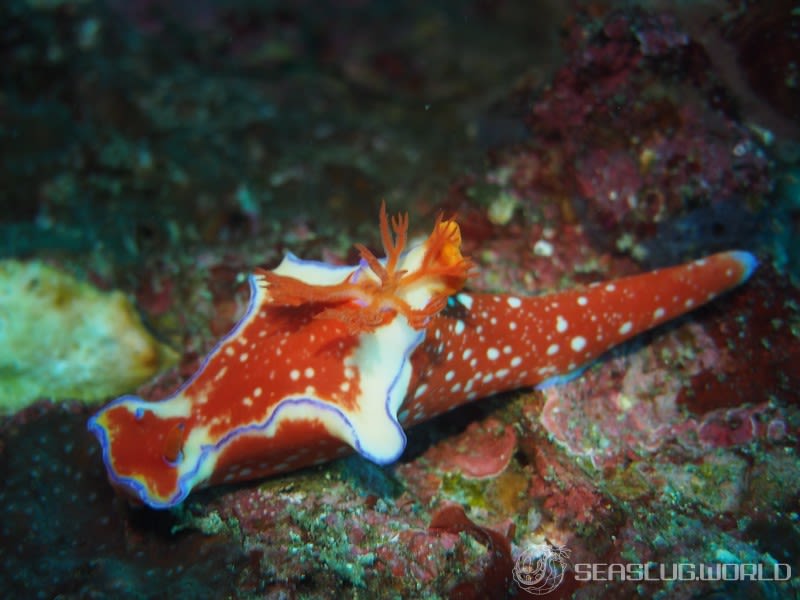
155 296
628 407
494 571
761 331
636 403
482 451
739 426
612 180
628 132
565 497
329 532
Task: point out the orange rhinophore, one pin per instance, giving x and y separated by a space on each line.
382 291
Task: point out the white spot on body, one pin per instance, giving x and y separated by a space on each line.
309 372
492 353
582 301
561 324
625 328
221 373
658 313
294 374
449 375
514 302
552 349
578 343
516 361
465 299
459 327
466 354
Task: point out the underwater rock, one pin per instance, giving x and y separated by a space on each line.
62 338
706 229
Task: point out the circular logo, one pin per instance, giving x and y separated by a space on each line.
540 569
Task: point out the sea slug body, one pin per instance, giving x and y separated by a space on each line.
327 359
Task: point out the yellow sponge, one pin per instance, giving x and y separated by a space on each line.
61 338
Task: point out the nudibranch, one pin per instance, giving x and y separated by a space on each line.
329 359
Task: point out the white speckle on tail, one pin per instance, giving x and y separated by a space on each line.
578 343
